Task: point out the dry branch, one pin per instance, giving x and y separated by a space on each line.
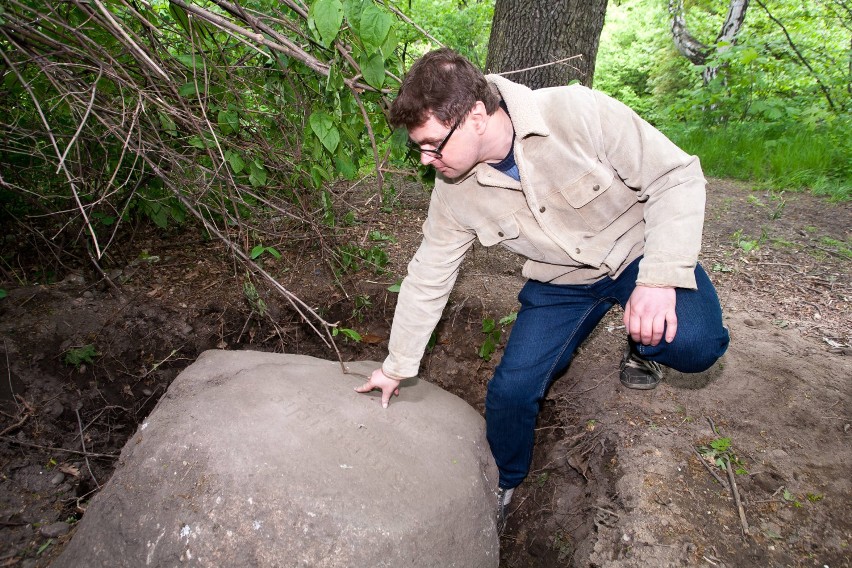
140 112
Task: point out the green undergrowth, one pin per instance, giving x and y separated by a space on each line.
779 156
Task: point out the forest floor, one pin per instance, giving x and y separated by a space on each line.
620 478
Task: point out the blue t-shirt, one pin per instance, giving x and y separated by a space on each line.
507 165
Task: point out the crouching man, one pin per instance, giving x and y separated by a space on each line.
602 205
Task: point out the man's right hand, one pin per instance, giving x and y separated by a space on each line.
378 380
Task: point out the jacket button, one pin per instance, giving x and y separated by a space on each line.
542 208
596 187
577 251
500 234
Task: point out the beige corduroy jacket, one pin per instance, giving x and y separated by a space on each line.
599 188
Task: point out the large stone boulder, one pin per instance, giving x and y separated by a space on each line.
261 459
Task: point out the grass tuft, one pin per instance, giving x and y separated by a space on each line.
781 156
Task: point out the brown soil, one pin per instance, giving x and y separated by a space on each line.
616 479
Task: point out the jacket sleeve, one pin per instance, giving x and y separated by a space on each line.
425 290
671 185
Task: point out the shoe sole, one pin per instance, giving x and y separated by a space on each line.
640 386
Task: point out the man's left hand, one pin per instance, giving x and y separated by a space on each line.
649 312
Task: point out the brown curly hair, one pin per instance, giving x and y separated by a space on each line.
444 84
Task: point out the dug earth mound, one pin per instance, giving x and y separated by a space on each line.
619 478
260 459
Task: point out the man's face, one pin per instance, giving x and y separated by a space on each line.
455 146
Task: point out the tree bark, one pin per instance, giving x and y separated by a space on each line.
541 43
696 51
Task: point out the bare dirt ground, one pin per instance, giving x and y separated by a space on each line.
620 478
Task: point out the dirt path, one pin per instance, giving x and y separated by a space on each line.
618 476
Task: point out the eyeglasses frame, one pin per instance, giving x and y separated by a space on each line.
436 151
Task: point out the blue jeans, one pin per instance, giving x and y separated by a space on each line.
552 322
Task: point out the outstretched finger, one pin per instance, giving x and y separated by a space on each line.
366 387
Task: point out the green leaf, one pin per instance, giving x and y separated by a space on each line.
334 82
229 121
488 325
509 319
433 341
3 293
375 25
257 173
373 69
257 251
197 142
380 236
80 355
322 125
318 175
353 10
44 546
189 61
488 348
395 288
348 333
327 208
327 15
345 165
180 16
748 55
391 43
188 89
237 163
160 216
167 124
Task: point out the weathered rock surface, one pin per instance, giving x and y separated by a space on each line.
260 459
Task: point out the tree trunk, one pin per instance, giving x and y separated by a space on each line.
542 43
696 51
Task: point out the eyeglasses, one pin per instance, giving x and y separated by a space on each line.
436 151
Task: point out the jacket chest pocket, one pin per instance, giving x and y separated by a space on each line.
506 231
598 198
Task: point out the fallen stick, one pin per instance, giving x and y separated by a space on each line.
52 449
708 468
83 443
15 426
736 493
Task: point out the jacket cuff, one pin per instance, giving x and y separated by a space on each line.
394 370
667 273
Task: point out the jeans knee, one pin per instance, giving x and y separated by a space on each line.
688 353
699 365
505 393
701 353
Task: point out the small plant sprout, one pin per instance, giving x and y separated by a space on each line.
346 333
78 356
254 300
362 302
381 237
718 451
352 258
745 244
259 250
492 337
791 498
493 331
